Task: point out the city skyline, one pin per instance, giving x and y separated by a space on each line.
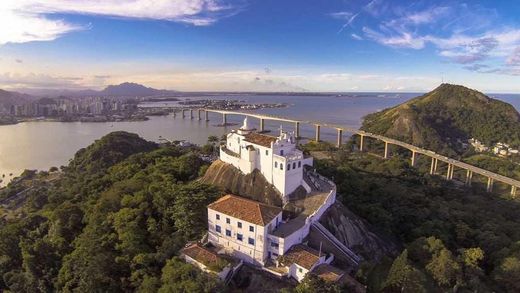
210 45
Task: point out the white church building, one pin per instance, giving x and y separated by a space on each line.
277 158
264 235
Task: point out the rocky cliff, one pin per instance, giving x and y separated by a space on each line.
253 186
350 229
356 234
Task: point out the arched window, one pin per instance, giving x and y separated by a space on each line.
276 164
294 165
281 152
299 164
288 167
281 166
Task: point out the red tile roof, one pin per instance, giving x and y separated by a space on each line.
245 209
260 139
202 254
301 255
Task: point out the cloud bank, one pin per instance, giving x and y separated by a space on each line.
469 35
35 20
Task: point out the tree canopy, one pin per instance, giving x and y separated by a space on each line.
112 221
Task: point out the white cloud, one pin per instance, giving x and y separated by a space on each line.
473 51
465 34
401 40
376 7
20 26
344 15
10 80
427 16
223 80
356 37
514 58
32 20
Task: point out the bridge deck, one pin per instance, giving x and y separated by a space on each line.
432 154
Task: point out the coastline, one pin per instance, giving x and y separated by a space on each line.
95 119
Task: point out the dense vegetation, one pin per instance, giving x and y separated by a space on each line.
454 239
112 221
444 118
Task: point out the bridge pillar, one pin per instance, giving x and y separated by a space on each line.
183 113
513 191
449 173
174 114
191 113
489 184
317 132
262 124
199 114
297 129
386 150
340 137
433 167
206 115
469 176
361 139
414 154
224 119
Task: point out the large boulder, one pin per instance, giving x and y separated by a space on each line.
357 234
253 186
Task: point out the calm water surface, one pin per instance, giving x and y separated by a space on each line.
41 145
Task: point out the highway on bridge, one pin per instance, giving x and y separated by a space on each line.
414 149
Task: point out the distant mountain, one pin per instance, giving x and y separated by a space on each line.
8 98
443 118
126 89
54 93
132 89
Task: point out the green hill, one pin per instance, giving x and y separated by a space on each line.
111 221
447 116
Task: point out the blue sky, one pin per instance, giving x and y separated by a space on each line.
309 45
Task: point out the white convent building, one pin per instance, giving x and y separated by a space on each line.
250 231
277 158
261 234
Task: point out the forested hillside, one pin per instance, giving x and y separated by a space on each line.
114 219
111 221
455 240
445 118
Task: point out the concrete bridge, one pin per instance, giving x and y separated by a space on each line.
435 158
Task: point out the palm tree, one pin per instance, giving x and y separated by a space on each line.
212 139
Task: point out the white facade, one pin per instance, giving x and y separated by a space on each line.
299 272
280 244
234 224
244 240
277 158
